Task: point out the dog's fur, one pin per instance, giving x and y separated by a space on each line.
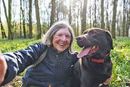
91 73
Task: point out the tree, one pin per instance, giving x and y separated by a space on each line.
107 16
124 18
23 18
38 20
119 22
61 10
20 18
95 17
1 25
102 14
114 18
83 16
128 19
53 12
75 17
30 18
70 13
90 16
8 18
2 29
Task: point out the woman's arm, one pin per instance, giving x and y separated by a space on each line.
3 68
13 63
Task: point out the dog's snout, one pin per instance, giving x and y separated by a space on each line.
79 41
78 38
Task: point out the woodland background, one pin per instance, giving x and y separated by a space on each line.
23 22
32 18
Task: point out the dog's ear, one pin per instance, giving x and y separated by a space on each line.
86 31
109 38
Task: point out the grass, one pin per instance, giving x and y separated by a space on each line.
121 62
17 44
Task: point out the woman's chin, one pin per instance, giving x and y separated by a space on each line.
60 50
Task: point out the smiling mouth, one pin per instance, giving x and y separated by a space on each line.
62 44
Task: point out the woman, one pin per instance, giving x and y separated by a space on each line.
56 68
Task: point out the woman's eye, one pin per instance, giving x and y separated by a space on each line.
65 35
59 35
68 36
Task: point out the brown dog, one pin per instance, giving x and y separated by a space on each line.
96 65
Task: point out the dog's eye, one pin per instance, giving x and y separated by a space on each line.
93 32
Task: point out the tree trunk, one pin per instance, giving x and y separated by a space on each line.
30 18
24 28
128 20
90 16
1 25
124 19
23 20
10 33
83 16
8 18
20 19
38 20
114 18
102 14
95 17
107 18
53 13
2 30
70 14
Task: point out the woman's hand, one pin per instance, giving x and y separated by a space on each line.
107 81
3 68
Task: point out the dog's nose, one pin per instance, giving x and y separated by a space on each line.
79 41
78 38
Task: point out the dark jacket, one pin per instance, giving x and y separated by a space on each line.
55 70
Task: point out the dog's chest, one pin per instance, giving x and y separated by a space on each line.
95 68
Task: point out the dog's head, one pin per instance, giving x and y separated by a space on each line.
94 40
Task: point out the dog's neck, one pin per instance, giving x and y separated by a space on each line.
98 57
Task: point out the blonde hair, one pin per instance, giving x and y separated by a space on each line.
47 38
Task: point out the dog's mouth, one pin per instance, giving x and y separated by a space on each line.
87 51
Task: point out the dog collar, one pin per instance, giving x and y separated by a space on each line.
95 60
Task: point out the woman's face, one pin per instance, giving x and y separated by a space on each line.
61 39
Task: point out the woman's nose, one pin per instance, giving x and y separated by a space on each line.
63 38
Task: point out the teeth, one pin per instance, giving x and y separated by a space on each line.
61 44
93 47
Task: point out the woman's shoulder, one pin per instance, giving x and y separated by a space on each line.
38 46
74 55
